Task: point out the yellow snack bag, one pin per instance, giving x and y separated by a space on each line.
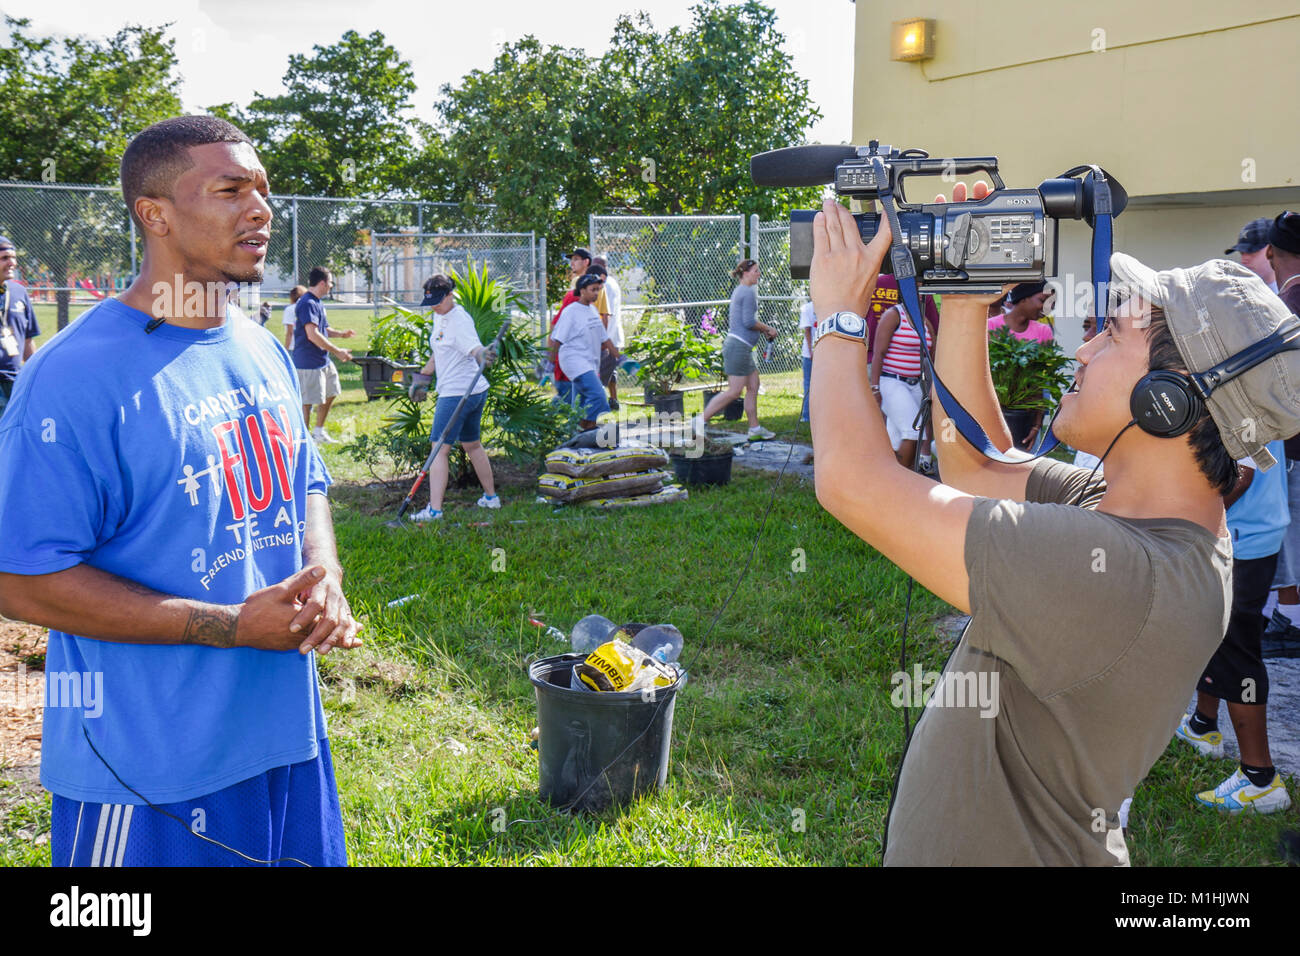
616 666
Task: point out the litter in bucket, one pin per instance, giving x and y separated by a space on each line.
598 750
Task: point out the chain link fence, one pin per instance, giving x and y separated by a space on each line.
402 261
779 297
77 244
671 264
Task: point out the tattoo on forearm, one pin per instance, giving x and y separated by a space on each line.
212 626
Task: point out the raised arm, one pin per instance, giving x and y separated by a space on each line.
916 523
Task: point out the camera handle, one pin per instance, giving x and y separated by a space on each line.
905 273
944 167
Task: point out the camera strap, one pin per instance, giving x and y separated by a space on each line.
905 273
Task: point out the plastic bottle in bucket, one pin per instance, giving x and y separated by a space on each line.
591 632
663 642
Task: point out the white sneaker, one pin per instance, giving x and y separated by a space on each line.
1237 793
428 514
490 501
758 431
1209 744
322 437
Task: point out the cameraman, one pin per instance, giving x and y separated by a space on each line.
1090 687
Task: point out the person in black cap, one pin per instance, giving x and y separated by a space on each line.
1282 636
17 322
1252 244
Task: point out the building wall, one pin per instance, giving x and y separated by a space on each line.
1185 103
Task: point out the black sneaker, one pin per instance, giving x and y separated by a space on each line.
1281 638
1280 627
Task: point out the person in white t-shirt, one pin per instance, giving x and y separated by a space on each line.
290 317
456 356
577 340
613 322
807 322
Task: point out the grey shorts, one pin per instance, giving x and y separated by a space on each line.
737 357
319 385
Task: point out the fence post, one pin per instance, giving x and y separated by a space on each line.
419 231
751 249
374 272
297 276
543 307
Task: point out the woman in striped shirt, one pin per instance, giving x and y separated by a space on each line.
896 378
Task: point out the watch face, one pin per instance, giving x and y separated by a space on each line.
850 323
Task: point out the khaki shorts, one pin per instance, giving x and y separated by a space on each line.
319 385
737 357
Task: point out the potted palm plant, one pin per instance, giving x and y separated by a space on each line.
1028 377
670 352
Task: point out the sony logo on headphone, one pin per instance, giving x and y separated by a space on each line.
1165 398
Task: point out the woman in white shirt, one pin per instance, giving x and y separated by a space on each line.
457 354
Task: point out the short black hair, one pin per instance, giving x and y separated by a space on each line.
439 283
595 270
160 153
1215 462
318 274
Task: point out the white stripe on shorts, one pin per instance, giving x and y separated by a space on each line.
126 828
104 809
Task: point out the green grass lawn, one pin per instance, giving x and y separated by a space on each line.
785 742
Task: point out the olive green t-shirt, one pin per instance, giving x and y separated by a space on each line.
1088 633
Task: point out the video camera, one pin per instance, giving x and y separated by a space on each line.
976 246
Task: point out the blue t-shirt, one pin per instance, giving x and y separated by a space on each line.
17 314
177 459
1257 520
306 354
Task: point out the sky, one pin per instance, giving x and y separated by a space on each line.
230 49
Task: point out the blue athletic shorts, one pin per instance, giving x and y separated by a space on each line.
470 422
289 811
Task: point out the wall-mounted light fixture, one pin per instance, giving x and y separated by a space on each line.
912 40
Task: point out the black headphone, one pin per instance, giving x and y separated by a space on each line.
1166 404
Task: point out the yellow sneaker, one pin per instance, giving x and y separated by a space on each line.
1209 744
1237 793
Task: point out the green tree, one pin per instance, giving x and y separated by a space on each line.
697 103
69 108
521 136
341 126
663 123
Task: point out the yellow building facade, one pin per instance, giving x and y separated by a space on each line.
1190 105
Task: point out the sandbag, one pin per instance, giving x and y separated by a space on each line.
569 489
662 496
595 462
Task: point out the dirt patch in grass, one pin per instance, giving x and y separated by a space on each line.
22 692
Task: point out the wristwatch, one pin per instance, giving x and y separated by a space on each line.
847 325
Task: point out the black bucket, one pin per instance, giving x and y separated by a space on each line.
599 750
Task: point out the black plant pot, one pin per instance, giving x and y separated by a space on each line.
734 411
705 470
1021 422
672 402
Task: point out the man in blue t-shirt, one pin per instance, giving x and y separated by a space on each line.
17 322
317 377
1258 516
163 512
